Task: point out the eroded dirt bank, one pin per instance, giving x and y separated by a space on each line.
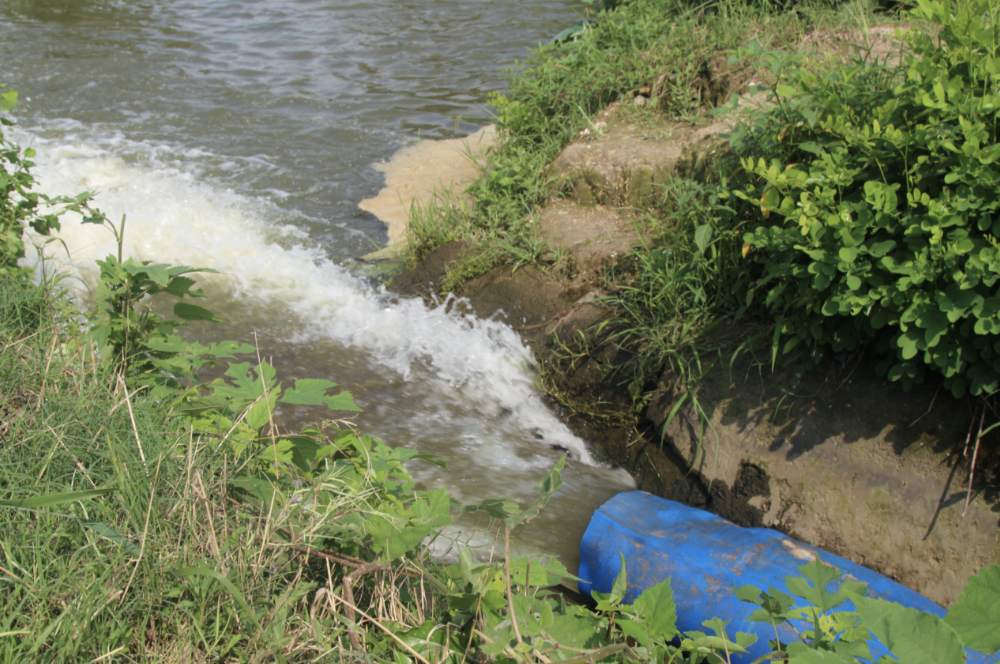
838 457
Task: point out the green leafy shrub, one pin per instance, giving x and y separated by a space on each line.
836 622
18 204
21 206
879 215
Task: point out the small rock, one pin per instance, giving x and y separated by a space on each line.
640 100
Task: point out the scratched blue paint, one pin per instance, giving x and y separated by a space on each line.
706 558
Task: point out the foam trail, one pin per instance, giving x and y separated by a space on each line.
174 216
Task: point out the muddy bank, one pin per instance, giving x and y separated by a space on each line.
846 461
832 455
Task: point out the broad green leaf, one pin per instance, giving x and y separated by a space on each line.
8 100
537 572
533 614
769 200
702 237
576 628
912 636
907 343
785 90
719 642
400 528
815 585
749 593
935 325
158 273
180 286
848 254
261 411
656 607
505 510
187 311
549 484
636 630
259 488
976 614
306 451
620 585
774 603
553 479
880 249
313 392
308 392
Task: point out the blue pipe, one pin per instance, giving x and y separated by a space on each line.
706 559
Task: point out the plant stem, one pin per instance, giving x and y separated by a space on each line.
506 575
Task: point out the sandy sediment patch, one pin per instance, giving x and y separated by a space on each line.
419 172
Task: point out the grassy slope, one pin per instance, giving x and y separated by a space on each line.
89 578
562 86
123 536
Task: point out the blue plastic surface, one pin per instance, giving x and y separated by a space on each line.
706 558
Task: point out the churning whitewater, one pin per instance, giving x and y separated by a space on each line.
174 216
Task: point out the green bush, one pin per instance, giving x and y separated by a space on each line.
21 205
879 221
17 204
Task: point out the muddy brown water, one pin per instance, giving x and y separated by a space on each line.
242 136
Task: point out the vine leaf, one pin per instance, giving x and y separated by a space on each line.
912 636
976 614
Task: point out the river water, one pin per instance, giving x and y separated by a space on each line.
241 135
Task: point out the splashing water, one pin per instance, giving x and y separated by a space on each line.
173 216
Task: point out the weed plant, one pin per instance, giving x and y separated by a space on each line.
877 218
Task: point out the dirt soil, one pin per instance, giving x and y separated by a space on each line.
845 461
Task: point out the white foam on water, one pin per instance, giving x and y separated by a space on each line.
175 216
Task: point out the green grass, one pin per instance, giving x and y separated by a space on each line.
666 44
88 578
683 297
122 535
